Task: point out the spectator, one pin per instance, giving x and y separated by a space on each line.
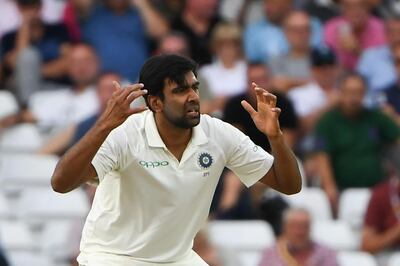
62 107
390 100
197 21
377 65
353 32
234 198
36 50
349 141
226 76
265 38
74 132
314 98
235 114
295 246
381 230
118 31
293 68
174 43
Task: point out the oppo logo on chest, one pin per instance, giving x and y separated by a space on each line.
156 164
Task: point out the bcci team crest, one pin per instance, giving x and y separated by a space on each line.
205 160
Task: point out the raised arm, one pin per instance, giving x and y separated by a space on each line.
75 167
156 25
284 176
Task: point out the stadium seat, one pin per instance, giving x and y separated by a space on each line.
355 258
394 259
27 169
337 235
15 236
249 258
353 204
24 258
21 138
8 104
4 207
39 205
241 235
66 244
314 200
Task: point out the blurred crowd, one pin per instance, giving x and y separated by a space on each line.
333 65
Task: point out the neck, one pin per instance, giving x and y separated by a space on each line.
299 52
80 87
228 63
172 135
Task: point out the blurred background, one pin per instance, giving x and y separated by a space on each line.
334 66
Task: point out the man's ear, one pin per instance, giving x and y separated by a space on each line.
155 103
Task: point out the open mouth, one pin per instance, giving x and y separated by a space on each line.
193 111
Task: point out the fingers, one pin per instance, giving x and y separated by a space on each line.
134 95
270 99
263 96
137 110
129 89
248 108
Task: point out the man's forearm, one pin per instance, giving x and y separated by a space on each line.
74 168
286 169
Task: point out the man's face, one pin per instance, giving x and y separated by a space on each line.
174 45
82 65
181 104
326 75
356 12
259 75
352 92
105 88
276 10
297 230
297 30
203 8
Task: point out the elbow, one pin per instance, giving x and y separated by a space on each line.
366 247
292 191
57 185
294 188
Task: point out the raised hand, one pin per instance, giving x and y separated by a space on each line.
266 116
118 107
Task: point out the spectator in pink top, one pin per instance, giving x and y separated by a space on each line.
352 32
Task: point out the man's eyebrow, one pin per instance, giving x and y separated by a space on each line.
197 83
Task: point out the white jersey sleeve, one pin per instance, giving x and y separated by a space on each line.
111 154
247 160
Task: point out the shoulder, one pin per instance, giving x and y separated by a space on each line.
375 22
219 131
333 23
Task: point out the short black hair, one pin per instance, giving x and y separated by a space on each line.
349 75
29 2
161 68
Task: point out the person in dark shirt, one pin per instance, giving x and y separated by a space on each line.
231 200
35 52
237 116
197 21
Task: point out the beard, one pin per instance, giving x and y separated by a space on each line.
189 119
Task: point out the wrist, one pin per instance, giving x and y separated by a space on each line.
278 137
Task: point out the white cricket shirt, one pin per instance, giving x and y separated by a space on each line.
148 205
